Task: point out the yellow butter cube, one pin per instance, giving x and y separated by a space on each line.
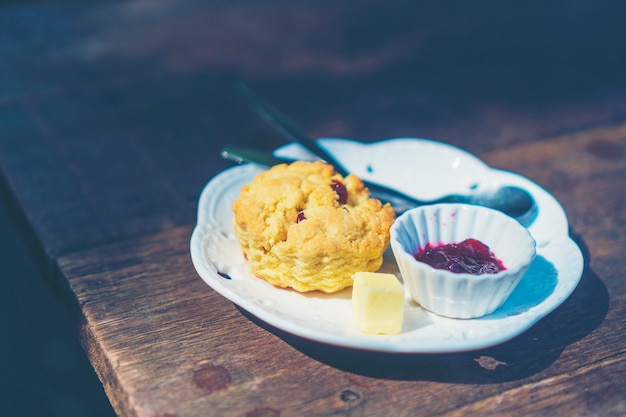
377 303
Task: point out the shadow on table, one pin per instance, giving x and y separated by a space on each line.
44 370
521 357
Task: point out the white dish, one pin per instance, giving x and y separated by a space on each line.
460 294
425 169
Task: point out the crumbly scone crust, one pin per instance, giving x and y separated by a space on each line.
331 241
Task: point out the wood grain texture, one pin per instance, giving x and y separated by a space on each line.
586 172
164 343
112 115
111 124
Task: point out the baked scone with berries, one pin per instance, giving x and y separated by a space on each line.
303 226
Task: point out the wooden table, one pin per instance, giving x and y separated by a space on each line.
112 115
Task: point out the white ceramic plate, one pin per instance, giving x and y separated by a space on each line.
425 169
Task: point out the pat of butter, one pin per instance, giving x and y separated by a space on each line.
377 303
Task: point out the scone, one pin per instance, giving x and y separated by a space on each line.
306 227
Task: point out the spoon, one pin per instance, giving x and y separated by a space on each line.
510 200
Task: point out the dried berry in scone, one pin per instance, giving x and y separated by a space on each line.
306 227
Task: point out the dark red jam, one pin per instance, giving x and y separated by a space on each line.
470 256
341 191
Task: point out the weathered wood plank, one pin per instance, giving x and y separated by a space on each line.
111 125
586 172
112 115
164 342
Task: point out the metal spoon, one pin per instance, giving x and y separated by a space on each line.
511 200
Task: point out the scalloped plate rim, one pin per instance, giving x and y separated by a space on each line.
208 227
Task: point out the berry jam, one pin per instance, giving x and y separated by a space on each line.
341 191
470 256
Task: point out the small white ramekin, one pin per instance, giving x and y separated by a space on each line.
460 295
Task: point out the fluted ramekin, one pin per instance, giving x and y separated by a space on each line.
460 295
